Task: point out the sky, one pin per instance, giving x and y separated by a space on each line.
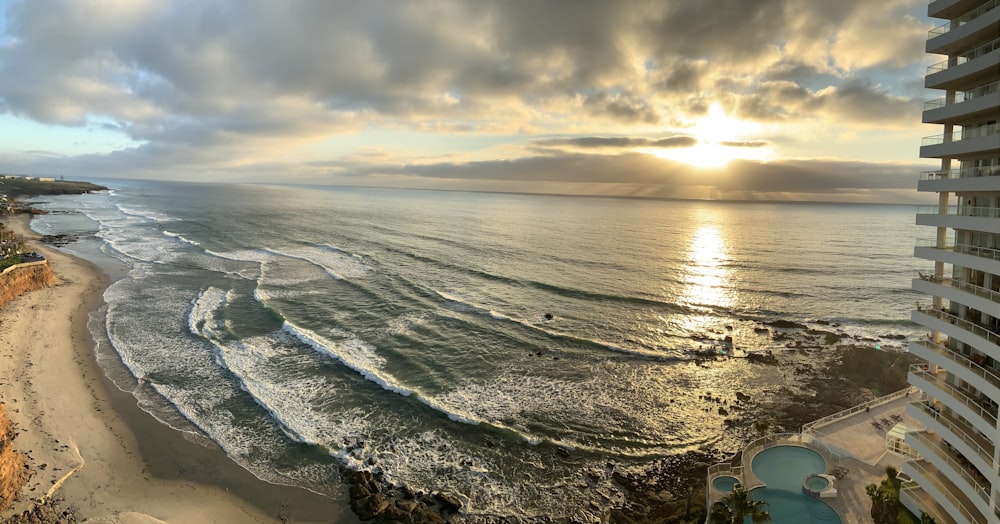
726 99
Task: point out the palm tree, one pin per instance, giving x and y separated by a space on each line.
735 506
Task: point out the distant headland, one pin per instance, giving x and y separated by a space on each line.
15 186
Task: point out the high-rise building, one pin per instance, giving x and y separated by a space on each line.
957 478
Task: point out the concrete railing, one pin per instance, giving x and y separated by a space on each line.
809 426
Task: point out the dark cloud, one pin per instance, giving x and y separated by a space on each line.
735 28
746 143
747 180
622 107
618 142
861 101
684 76
854 100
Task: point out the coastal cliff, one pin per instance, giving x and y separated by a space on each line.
13 473
24 279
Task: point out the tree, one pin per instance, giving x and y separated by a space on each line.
891 472
735 506
926 519
885 507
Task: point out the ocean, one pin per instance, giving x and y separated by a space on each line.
493 346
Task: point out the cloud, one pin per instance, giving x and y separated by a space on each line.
746 143
865 103
647 175
854 100
624 142
622 107
224 83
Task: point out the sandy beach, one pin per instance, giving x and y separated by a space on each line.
88 442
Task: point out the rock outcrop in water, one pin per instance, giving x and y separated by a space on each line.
374 499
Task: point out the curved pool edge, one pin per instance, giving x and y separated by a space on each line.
726 482
788 506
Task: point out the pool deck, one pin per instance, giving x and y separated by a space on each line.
862 435
856 443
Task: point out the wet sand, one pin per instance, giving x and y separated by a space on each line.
90 445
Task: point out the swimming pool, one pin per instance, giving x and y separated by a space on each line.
725 483
782 469
787 507
817 482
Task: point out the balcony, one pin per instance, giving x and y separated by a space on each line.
964 217
963 255
966 141
976 297
963 180
953 500
937 451
971 68
919 501
967 105
983 378
976 335
952 466
950 8
961 436
960 401
947 39
992 297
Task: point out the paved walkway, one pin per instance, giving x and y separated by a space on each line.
862 435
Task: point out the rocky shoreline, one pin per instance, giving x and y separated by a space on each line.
669 489
825 370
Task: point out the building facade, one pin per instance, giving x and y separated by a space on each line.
957 478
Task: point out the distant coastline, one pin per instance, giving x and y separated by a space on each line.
17 186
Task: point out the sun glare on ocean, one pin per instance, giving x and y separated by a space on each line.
720 140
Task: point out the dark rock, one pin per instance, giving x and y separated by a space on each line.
370 507
399 510
358 491
407 493
786 324
449 503
618 516
626 481
763 358
424 515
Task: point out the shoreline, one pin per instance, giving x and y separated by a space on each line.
91 445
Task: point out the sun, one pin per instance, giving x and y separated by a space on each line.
720 140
